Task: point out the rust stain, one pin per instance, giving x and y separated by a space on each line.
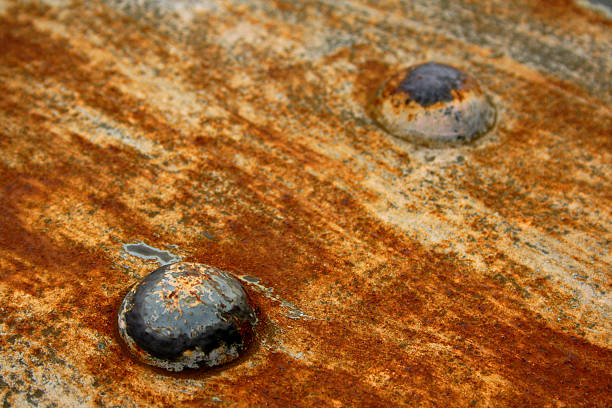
470 275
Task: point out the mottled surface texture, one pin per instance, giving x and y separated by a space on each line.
387 273
187 315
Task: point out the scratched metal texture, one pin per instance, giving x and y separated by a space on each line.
238 134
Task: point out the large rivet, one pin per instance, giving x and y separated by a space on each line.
187 315
432 103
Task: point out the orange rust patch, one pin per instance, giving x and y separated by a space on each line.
43 58
392 318
559 10
526 188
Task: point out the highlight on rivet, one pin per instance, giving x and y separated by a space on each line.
187 315
433 103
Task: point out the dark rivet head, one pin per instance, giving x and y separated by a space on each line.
187 315
432 103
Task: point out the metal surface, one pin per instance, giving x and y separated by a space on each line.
187 315
433 104
239 134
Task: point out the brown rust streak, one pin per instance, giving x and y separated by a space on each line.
407 324
475 315
555 11
39 56
520 185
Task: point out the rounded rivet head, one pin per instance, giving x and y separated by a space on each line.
432 103
187 315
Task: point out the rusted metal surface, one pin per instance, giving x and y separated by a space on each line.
187 315
433 104
238 134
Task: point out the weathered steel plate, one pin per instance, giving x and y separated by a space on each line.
239 134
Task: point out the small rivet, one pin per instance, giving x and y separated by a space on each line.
432 103
187 315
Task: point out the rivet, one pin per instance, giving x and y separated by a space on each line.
187 315
433 103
